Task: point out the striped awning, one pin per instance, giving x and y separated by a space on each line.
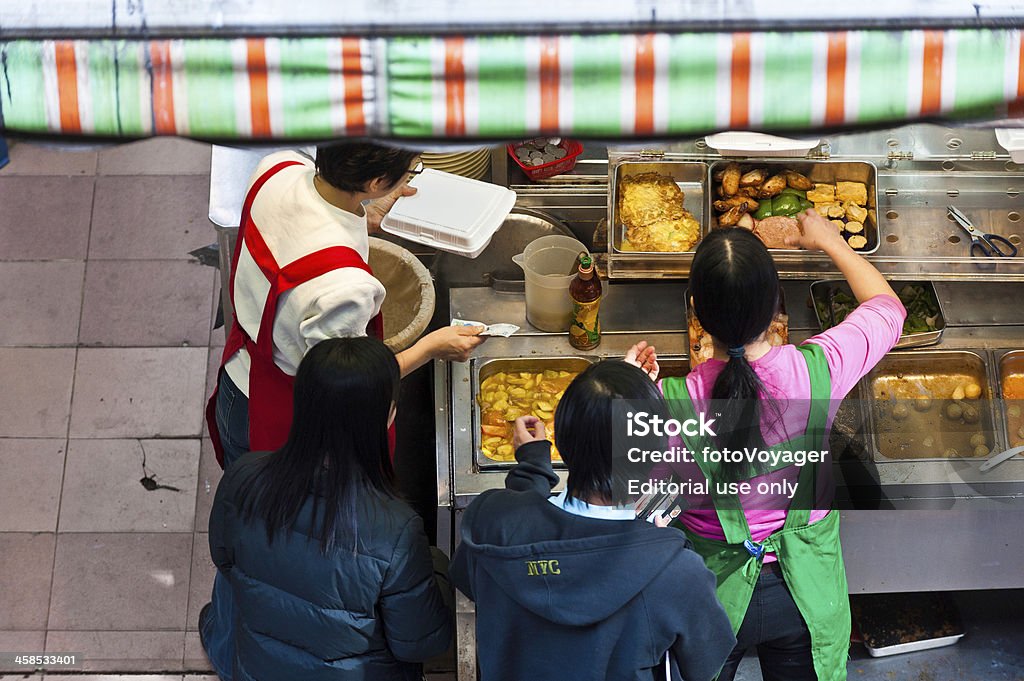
500 87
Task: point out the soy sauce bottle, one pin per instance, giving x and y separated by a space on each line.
585 291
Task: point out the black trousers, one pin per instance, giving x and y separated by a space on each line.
775 626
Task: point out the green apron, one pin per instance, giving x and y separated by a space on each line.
810 556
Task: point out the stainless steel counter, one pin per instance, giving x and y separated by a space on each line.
935 525
908 525
631 312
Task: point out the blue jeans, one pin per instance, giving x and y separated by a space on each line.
217 629
232 419
4 158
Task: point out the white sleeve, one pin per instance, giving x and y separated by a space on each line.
342 305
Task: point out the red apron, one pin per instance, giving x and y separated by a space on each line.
270 388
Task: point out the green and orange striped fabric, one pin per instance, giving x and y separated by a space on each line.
610 85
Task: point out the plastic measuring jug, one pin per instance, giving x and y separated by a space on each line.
548 265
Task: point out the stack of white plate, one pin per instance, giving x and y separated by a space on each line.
475 164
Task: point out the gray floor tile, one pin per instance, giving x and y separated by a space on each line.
150 218
103 490
122 651
138 392
209 477
120 582
30 485
146 303
25 564
195 658
157 156
217 335
213 368
20 642
119 677
37 391
45 218
201 582
48 159
41 303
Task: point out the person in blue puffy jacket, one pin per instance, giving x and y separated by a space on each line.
332 575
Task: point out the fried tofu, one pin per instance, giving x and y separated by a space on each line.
853 192
840 225
857 213
822 208
836 210
822 193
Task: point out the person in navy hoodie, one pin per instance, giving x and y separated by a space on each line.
575 587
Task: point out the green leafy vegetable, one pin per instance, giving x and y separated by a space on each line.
922 307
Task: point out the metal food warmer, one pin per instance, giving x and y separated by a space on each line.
916 522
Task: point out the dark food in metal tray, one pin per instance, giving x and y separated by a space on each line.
887 620
932 407
922 307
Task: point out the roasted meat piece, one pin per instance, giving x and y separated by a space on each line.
774 230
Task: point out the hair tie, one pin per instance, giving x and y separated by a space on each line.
738 352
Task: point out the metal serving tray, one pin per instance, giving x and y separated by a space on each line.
815 171
691 176
928 367
910 340
483 369
849 433
1011 364
673 367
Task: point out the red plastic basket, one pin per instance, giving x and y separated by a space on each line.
562 165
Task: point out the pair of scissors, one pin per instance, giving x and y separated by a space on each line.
988 245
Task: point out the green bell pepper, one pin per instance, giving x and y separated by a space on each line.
786 204
764 210
794 192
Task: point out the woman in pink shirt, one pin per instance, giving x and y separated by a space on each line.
779 566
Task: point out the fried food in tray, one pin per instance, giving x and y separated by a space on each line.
648 197
505 396
671 235
651 209
702 348
773 201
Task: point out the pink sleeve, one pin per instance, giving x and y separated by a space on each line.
854 346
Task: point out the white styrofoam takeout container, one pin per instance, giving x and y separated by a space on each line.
450 212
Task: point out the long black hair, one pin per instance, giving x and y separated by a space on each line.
584 426
350 166
735 289
337 447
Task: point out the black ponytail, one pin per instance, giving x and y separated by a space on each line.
735 291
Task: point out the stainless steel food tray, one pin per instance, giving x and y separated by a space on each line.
929 364
691 176
926 644
815 171
483 369
910 340
1011 362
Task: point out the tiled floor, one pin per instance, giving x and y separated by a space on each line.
104 364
